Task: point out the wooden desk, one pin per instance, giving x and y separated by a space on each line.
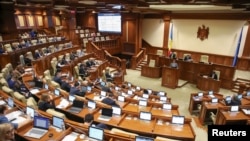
57 135
152 72
207 84
114 121
226 117
206 108
170 77
159 112
182 132
134 124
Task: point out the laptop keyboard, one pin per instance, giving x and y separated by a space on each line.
36 131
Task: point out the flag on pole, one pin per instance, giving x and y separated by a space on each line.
170 41
237 49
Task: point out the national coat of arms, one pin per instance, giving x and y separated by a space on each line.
203 32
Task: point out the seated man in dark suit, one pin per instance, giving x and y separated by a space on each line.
83 71
234 101
188 58
214 75
58 77
75 90
172 55
90 63
110 100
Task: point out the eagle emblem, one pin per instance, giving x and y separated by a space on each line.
203 32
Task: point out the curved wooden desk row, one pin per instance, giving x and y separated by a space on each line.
208 83
207 107
131 110
12 57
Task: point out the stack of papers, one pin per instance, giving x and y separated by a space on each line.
246 111
34 91
71 137
63 103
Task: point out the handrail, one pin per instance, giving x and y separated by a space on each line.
135 60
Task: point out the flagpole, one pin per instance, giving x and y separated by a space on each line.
237 49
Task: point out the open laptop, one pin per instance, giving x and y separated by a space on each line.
177 119
163 98
167 106
91 104
106 113
57 92
234 108
145 96
161 93
130 92
58 122
76 107
10 102
103 94
38 84
214 100
248 93
95 134
40 127
89 88
239 96
30 111
117 110
200 94
142 138
211 94
46 86
71 98
121 98
145 115
143 103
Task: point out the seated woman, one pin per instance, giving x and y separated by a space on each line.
7 132
46 102
4 119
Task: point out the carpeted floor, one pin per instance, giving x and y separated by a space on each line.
179 96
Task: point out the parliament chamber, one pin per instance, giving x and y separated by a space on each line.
140 113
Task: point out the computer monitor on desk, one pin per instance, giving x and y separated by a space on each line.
57 92
30 112
176 119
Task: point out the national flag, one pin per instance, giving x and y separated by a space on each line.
237 49
170 41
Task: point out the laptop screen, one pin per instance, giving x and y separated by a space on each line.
248 93
117 110
214 100
30 111
142 103
167 106
130 92
149 91
129 84
57 122
117 88
163 98
200 94
145 96
142 138
10 102
103 83
228 98
103 93
239 96
138 88
46 86
96 133
234 108
107 112
177 119
57 92
89 89
41 122
161 93
210 92
38 84
121 98
91 104
71 98
145 115
84 88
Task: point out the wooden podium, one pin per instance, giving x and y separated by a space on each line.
170 77
205 83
